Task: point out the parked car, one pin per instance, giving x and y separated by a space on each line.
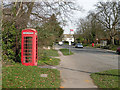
60 43
78 45
118 50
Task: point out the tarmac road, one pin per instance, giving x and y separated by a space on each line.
76 69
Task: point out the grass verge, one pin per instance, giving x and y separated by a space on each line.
109 47
51 52
48 61
113 47
19 76
66 52
47 57
106 79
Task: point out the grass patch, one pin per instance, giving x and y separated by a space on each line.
48 61
66 52
47 57
19 76
51 52
106 79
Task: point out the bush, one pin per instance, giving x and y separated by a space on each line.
85 45
9 46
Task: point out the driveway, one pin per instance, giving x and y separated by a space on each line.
76 69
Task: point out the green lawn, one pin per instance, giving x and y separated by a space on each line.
106 79
19 76
66 51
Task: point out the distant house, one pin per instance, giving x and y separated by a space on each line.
68 37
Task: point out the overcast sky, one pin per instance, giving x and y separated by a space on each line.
86 5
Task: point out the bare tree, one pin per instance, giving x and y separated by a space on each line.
107 13
18 13
90 29
24 12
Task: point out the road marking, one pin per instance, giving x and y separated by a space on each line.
87 81
61 87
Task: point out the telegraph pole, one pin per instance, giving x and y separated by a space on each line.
70 40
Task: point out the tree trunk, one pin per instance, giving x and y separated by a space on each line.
113 40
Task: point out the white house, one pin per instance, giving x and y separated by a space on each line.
68 37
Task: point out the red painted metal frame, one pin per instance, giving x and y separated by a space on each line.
34 47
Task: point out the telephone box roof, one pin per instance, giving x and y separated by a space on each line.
30 29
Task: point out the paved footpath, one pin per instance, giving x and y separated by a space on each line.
71 76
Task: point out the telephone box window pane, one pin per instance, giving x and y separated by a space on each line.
27 41
28 37
28 58
27 47
27 54
29 44
27 50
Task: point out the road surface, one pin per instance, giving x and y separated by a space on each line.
76 69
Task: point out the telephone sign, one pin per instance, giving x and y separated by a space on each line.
27 32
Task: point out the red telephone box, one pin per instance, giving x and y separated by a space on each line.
29 47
